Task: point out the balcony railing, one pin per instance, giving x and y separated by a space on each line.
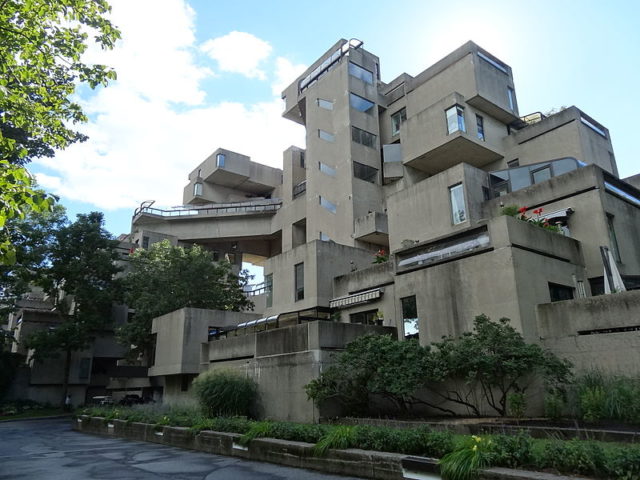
239 208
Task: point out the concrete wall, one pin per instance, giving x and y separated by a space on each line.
283 361
180 334
614 349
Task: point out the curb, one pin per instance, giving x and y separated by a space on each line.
350 462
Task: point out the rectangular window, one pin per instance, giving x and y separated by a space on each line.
541 174
268 289
298 271
361 73
85 369
511 93
369 317
559 293
197 189
302 164
613 240
398 119
410 317
365 172
455 119
458 208
326 104
480 127
329 137
361 104
327 204
185 381
363 137
145 242
220 159
513 163
326 169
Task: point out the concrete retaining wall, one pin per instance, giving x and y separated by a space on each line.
596 332
351 462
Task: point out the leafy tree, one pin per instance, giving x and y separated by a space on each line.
374 365
165 278
41 47
18 197
496 359
32 238
81 280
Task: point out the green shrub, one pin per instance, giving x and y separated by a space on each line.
225 393
473 454
624 463
554 405
572 456
511 451
517 404
339 437
592 403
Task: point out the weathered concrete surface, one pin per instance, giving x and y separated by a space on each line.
594 332
49 449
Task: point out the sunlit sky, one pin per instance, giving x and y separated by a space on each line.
201 74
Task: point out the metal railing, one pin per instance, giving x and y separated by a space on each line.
239 208
254 289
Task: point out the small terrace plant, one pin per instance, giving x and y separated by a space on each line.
381 256
536 219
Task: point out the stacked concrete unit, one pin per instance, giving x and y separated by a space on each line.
420 167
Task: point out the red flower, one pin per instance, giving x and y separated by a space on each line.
522 209
538 211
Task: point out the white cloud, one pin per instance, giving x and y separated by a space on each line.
239 52
152 126
286 73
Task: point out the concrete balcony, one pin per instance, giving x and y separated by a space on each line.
428 146
372 228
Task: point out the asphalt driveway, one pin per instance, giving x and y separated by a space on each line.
49 449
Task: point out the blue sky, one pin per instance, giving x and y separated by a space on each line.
201 74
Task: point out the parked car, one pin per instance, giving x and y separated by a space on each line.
103 400
131 399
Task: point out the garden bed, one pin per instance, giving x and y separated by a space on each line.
387 449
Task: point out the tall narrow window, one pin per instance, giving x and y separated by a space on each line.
398 119
410 317
197 189
362 73
298 271
361 104
455 119
511 93
85 368
145 242
613 240
302 164
268 289
480 127
329 137
220 159
458 208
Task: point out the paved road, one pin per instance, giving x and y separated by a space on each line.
49 449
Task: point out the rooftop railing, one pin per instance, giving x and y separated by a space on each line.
212 209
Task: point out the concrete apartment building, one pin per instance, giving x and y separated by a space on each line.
420 167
